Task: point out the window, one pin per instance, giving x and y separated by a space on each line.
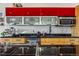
49 20
46 20
31 20
14 20
1 21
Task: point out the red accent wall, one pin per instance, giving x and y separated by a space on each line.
40 11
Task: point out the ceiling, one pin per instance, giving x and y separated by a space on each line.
49 4
41 4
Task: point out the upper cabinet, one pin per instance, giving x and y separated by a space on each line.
42 11
22 11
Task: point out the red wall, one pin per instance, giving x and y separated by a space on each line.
40 11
